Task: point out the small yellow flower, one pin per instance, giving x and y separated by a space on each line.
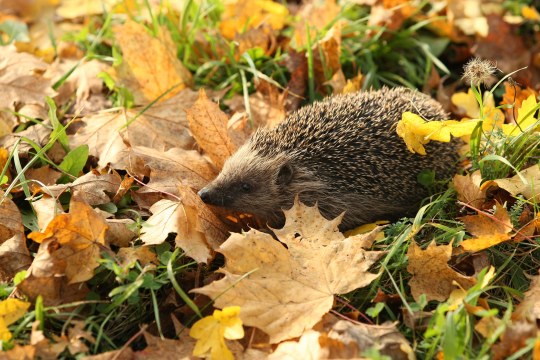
211 332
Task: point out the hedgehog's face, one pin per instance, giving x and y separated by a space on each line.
251 183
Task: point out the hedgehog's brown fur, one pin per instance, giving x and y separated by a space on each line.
342 153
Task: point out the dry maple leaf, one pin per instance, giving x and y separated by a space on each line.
489 230
286 291
314 15
151 72
161 127
208 124
431 274
76 240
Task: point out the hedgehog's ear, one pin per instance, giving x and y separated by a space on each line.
285 174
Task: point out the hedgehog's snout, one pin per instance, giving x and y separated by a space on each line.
212 196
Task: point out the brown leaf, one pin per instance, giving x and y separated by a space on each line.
21 80
515 185
198 221
468 189
208 124
74 241
489 230
289 290
513 339
529 308
14 255
120 232
431 274
167 170
142 254
154 71
162 127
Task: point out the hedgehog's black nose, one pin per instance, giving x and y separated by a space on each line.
204 194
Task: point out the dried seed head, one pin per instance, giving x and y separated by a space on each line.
479 71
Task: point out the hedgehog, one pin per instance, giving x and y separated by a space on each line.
343 154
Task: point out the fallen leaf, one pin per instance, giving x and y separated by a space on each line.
513 339
76 240
525 117
515 185
11 310
250 14
288 290
164 220
468 189
211 332
153 72
129 255
208 124
14 255
161 127
22 81
431 274
529 308
488 230
201 232
166 170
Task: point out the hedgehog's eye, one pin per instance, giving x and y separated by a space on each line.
245 187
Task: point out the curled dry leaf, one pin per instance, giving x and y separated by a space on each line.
46 209
154 71
199 231
208 124
468 189
161 127
345 340
489 230
530 188
14 255
289 290
92 188
198 221
431 274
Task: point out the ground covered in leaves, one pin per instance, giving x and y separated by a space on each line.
113 114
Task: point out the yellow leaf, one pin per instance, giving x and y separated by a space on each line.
488 230
11 310
444 130
242 15
407 129
150 73
416 132
211 332
530 13
466 103
525 117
